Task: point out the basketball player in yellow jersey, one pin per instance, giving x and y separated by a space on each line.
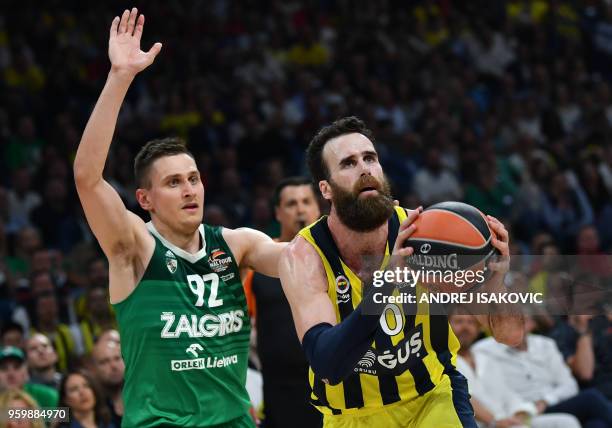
365 370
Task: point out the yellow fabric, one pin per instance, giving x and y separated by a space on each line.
64 345
432 410
370 388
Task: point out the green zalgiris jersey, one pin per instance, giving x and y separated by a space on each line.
185 338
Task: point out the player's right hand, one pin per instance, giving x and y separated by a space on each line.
406 229
124 44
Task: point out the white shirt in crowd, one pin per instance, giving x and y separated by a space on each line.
539 373
485 385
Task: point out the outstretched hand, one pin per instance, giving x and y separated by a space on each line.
124 44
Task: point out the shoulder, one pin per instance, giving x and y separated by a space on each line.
300 249
301 258
488 346
242 237
542 342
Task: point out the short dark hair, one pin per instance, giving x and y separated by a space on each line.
314 153
154 150
11 326
286 182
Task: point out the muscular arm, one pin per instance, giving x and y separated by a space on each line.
332 349
118 231
254 249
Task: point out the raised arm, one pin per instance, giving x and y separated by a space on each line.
115 228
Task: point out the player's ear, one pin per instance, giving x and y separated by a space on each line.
142 196
325 189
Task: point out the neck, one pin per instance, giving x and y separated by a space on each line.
85 418
189 241
45 373
354 246
465 352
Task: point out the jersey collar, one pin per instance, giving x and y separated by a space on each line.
190 257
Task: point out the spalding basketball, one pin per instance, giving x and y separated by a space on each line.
452 246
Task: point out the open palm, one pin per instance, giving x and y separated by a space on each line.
124 44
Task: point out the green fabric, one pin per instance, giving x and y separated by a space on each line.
186 352
17 265
21 153
44 395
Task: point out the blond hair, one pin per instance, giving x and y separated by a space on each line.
19 395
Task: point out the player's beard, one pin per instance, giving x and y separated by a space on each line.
363 214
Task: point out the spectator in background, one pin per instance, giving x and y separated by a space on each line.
64 337
536 372
586 344
54 217
591 259
108 371
87 407
435 183
284 366
28 241
42 360
494 404
22 200
565 208
14 376
99 316
12 334
17 399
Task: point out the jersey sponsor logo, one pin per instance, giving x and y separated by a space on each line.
343 289
227 277
171 262
219 261
367 360
203 363
208 325
396 360
194 349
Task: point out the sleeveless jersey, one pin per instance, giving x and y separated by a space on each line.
185 337
411 353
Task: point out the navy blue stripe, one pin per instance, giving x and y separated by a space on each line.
461 399
393 229
353 393
418 369
387 384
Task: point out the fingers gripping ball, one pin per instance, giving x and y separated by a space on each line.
452 246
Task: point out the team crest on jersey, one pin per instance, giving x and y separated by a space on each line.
171 262
219 261
343 289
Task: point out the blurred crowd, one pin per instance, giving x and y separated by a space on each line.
506 105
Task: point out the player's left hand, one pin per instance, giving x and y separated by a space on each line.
500 241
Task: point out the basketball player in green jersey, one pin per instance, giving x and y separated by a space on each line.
174 282
373 371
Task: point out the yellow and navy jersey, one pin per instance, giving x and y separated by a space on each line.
411 353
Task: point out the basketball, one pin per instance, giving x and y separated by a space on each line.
452 245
